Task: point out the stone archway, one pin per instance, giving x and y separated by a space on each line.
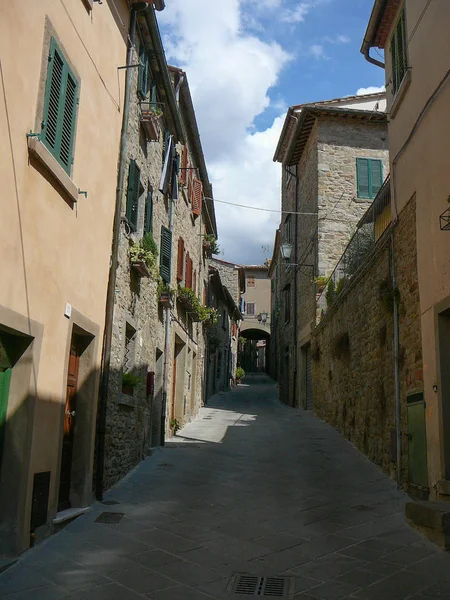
254 354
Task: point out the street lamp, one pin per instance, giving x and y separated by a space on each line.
286 251
262 317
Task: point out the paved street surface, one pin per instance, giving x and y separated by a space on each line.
250 487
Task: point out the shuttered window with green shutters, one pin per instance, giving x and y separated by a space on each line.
60 103
134 178
369 176
398 53
166 254
143 79
148 215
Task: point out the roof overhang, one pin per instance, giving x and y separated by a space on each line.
307 119
380 24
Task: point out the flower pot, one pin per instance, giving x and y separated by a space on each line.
141 268
127 389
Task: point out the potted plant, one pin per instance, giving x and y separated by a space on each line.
143 255
174 425
150 115
210 245
166 296
129 382
212 318
240 374
321 282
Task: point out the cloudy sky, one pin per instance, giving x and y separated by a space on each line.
246 62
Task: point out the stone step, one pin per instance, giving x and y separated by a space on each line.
432 520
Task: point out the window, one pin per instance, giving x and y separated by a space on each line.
148 214
134 178
166 254
398 53
197 197
250 308
288 229
60 102
250 282
369 176
143 78
287 304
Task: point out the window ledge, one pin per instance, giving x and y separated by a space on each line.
40 152
398 98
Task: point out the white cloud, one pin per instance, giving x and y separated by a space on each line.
343 39
318 51
372 89
296 15
230 73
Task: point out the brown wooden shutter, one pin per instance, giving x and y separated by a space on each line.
189 265
180 259
194 282
197 196
183 174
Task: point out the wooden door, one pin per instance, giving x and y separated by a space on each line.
417 444
69 427
5 377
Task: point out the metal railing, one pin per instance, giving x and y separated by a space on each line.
369 229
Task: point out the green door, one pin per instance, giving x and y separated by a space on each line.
417 441
5 378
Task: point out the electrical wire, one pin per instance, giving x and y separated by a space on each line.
271 210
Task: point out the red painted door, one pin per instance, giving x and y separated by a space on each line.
69 427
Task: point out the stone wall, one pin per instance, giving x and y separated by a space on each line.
133 422
340 143
352 349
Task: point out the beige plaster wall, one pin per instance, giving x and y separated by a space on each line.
260 295
53 251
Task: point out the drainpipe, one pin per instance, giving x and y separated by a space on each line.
373 61
109 309
166 350
398 410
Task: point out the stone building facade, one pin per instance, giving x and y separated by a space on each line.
223 333
156 376
353 353
334 156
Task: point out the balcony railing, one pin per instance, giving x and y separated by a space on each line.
370 228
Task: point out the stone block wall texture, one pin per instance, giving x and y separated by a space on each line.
352 348
131 420
339 144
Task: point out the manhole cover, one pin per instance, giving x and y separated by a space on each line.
110 502
267 587
109 517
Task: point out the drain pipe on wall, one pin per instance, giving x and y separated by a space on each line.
396 341
109 309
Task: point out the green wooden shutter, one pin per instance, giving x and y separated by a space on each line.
166 254
376 177
61 98
134 175
362 177
143 72
398 52
148 215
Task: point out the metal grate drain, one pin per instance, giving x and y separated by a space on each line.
243 584
110 502
109 517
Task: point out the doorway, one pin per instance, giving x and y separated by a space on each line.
443 323
178 367
69 423
5 378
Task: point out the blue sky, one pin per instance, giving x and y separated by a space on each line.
247 62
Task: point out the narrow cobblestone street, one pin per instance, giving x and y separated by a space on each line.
251 486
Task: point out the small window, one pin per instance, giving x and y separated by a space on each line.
148 214
398 53
287 304
60 102
250 282
250 308
369 177
133 190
